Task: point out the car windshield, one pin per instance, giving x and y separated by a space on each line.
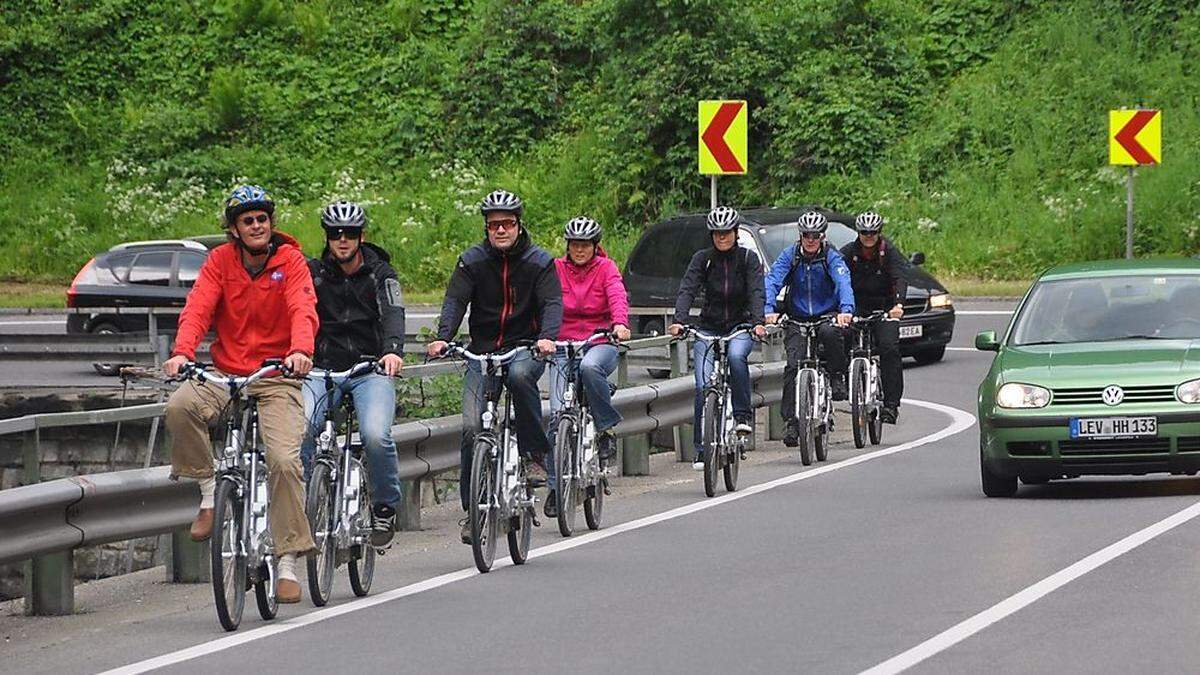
1100 309
776 238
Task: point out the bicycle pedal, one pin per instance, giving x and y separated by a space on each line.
606 490
742 453
536 522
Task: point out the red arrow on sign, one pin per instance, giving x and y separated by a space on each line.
1127 136
714 137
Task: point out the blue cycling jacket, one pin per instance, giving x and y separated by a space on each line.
816 287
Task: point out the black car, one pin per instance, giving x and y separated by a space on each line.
136 275
658 262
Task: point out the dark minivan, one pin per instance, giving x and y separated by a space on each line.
657 263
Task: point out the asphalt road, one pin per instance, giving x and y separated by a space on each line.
883 558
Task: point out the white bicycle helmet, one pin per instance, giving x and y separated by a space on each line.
723 219
502 200
868 222
343 214
582 228
812 222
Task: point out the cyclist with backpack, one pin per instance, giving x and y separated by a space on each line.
815 282
877 276
731 278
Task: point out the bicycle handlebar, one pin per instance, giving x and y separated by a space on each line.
353 371
606 335
738 330
495 359
199 373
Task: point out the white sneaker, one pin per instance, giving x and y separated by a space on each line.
742 429
698 465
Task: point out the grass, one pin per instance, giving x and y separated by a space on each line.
32 294
966 287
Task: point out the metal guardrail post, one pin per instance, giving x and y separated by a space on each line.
773 351
188 562
408 511
50 584
681 434
634 450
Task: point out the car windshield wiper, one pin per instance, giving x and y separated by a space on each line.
1039 342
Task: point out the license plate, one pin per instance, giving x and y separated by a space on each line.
1113 427
913 331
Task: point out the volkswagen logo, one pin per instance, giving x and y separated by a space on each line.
1112 395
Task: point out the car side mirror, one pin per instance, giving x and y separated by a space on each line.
917 258
986 341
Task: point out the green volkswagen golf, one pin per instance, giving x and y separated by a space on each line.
1098 373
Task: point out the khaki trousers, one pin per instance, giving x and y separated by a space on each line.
281 423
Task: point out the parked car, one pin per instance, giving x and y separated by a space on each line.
136 274
1098 373
660 258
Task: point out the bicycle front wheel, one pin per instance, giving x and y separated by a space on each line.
593 503
321 509
264 589
227 558
713 428
858 403
481 506
733 465
566 447
520 524
362 556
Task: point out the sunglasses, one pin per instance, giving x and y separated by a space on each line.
335 233
250 220
507 224
811 235
869 234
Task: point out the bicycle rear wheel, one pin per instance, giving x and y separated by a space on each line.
362 556
711 419
520 525
808 430
322 518
228 563
480 508
566 445
858 403
264 589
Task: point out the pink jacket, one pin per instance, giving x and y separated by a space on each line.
593 296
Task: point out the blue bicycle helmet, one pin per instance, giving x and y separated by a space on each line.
247 198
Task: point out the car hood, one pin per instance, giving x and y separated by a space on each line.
1126 362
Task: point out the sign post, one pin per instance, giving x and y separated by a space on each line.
722 141
1134 139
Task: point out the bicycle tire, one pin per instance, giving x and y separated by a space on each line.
858 403
593 503
711 419
228 568
484 524
875 426
321 510
566 447
362 561
804 406
265 589
732 468
520 526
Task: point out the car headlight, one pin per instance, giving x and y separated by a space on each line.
940 300
1188 392
1015 395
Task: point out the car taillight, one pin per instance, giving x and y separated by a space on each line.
86 275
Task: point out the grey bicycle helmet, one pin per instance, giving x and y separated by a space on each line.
812 222
582 228
502 200
343 214
723 219
868 222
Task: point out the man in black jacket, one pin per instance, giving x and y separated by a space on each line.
877 275
361 310
513 291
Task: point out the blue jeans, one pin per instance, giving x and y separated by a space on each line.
704 356
523 374
597 364
375 404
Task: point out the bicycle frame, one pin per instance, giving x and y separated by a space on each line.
344 464
718 381
810 362
864 352
575 403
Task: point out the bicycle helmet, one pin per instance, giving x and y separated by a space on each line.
868 222
582 228
343 214
812 221
723 219
502 200
247 198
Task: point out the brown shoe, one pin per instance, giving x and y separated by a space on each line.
202 525
287 591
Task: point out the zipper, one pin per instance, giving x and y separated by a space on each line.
727 300
504 305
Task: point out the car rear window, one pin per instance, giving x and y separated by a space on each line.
152 269
112 269
189 268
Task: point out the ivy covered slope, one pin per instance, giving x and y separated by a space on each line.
978 128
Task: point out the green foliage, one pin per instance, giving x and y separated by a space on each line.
312 20
227 97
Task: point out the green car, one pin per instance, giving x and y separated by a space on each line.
1098 373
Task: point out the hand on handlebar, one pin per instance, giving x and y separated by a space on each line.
299 364
772 318
173 365
675 329
621 332
391 364
545 347
760 331
844 319
436 349
896 312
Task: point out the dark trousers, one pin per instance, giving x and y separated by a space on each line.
523 374
830 338
891 372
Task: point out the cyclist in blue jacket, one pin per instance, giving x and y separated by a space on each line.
815 282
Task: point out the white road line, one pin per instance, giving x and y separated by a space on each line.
48 322
961 349
960 421
984 312
959 632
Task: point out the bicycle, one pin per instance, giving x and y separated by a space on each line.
338 503
814 402
577 465
723 448
500 491
243 552
866 395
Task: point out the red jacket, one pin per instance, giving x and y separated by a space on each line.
593 296
267 317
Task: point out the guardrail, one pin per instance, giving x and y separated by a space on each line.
47 521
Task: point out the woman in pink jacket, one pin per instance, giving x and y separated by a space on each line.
593 298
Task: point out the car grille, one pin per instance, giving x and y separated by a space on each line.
1090 395
1188 443
1115 446
915 306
